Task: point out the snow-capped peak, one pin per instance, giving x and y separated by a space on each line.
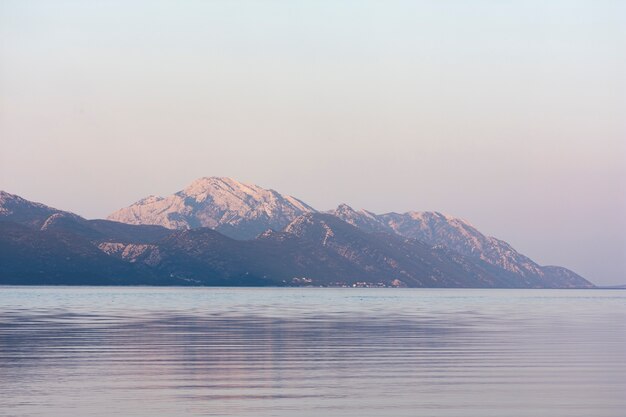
207 184
236 209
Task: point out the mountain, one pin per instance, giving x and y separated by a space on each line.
44 257
384 257
243 211
238 210
42 245
434 229
314 249
16 209
98 231
202 257
21 211
362 219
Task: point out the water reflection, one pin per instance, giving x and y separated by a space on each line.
187 352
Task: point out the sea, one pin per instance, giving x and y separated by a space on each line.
150 351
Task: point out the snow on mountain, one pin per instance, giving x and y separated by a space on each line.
388 257
244 211
362 218
238 210
439 229
436 229
344 245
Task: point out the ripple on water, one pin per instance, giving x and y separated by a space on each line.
249 352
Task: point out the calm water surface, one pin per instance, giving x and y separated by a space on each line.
311 352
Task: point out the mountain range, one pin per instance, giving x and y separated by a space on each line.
218 231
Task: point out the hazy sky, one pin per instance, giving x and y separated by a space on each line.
510 114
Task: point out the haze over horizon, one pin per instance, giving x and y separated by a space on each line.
509 115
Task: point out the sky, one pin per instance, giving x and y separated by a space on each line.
509 114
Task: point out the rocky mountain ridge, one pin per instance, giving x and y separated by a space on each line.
345 247
236 209
437 229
